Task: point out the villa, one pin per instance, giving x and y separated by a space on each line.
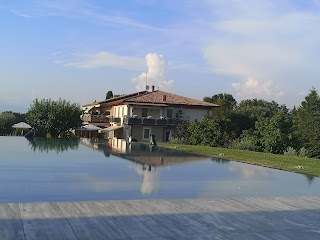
141 114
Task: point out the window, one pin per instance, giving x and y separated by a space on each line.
146 133
169 113
144 112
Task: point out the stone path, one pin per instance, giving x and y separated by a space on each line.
275 218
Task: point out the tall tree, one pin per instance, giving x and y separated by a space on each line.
109 95
226 102
307 122
54 117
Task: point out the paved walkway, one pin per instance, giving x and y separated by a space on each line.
190 219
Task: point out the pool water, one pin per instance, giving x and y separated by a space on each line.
41 170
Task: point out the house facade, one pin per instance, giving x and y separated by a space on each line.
143 113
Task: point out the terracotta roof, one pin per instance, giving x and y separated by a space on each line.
119 98
157 97
147 104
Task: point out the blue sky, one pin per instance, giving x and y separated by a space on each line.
80 49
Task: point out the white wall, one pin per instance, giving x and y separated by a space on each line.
193 114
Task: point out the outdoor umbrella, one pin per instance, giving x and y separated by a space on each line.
22 125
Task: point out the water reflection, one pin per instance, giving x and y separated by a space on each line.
150 177
144 159
53 144
248 171
310 178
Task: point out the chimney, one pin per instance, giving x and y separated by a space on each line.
152 88
164 98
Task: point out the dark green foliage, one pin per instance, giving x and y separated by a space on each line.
109 95
183 133
275 133
246 114
206 133
226 102
307 123
54 117
7 119
248 141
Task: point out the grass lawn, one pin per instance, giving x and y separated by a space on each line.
289 163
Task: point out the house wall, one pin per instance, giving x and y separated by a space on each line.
154 112
195 114
119 111
137 133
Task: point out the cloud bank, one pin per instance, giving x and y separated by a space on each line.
156 74
106 59
265 45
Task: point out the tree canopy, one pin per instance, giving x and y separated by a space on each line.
307 123
54 117
109 95
226 102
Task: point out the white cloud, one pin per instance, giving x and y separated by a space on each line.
106 59
252 88
156 74
273 40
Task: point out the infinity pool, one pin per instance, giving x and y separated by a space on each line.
43 170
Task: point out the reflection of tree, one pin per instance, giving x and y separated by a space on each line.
220 160
310 178
53 144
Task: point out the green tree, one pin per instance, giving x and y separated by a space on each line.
54 117
109 95
249 111
226 102
206 133
7 119
275 134
183 133
307 123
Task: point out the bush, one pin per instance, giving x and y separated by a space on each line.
245 143
176 141
303 152
290 152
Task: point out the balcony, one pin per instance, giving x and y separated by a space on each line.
94 118
152 122
114 119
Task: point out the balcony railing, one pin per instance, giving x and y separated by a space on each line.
114 119
152 121
93 118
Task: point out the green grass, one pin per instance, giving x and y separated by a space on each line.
288 163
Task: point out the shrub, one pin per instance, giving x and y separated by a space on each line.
303 152
245 143
290 151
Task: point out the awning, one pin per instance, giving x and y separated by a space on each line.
89 127
108 129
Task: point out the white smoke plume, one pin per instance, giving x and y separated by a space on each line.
156 74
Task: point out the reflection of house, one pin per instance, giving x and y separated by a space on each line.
141 153
143 113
